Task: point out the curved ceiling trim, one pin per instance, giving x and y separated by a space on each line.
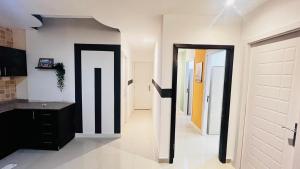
39 18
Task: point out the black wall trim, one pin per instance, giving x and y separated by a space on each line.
98 100
130 82
117 82
226 95
164 93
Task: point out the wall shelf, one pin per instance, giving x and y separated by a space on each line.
45 68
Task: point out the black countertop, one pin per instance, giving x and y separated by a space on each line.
35 105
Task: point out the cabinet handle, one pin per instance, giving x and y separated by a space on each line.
0 71
5 71
47 124
33 115
47 142
46 114
47 133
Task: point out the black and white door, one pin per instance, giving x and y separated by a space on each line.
97 91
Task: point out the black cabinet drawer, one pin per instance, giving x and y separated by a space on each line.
48 117
47 145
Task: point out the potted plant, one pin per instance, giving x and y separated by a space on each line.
60 74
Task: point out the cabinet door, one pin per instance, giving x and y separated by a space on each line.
12 62
4 135
3 60
16 64
26 133
8 141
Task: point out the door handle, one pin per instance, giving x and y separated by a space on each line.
292 141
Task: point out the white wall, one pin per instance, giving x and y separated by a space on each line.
214 59
198 30
56 40
272 18
130 88
156 108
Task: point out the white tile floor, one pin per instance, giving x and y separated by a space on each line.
135 150
193 151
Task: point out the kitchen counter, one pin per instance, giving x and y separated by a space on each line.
35 125
25 104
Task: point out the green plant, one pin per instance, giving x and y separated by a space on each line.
60 74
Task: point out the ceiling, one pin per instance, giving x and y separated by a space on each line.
138 20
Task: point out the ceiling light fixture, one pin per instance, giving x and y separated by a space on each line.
230 2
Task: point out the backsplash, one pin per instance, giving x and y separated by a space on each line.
7 85
6 37
7 89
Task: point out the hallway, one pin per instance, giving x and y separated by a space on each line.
194 151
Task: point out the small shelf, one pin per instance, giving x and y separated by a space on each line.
45 68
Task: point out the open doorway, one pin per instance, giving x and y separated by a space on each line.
201 90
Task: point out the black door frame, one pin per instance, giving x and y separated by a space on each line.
226 95
117 82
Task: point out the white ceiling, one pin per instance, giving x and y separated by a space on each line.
138 20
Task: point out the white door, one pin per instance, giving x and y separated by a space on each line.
89 61
215 100
272 96
188 86
142 85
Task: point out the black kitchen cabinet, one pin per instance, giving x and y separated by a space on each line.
49 129
12 62
8 131
36 129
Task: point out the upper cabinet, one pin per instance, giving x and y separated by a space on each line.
12 62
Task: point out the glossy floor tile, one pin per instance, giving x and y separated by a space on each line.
134 150
194 151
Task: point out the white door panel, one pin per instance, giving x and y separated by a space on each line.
271 105
142 85
216 100
105 61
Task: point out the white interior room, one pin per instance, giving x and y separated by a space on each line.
96 84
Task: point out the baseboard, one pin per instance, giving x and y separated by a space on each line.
196 128
163 160
84 135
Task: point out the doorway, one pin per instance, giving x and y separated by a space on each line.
89 117
198 75
142 85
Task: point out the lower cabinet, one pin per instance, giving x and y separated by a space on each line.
36 129
8 131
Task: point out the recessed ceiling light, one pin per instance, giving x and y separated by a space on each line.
230 2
